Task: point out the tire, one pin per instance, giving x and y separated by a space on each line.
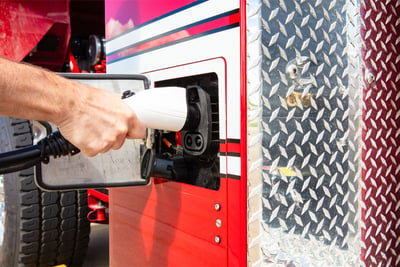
38 228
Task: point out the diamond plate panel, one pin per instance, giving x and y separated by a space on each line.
312 92
380 21
330 130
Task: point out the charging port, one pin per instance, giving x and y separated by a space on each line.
193 142
189 156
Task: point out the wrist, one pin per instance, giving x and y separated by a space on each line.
70 101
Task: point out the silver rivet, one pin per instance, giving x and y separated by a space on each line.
217 239
342 90
369 77
217 206
218 222
292 71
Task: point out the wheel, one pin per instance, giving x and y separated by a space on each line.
38 228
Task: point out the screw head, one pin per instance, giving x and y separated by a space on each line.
217 239
217 206
369 77
292 71
218 223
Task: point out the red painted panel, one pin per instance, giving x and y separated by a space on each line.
235 227
24 23
167 224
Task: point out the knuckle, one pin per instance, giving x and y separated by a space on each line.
118 145
122 129
97 147
89 152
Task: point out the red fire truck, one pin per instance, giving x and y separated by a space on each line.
294 161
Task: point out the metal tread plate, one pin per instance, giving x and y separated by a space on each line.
329 104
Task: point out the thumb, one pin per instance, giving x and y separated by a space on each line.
136 129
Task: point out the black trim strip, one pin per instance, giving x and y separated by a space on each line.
232 176
227 27
233 141
231 154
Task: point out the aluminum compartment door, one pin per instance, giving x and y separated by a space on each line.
311 128
114 168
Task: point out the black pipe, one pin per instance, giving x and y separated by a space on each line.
52 145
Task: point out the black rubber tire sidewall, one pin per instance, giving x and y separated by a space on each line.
41 228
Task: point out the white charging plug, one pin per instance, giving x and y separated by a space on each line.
162 108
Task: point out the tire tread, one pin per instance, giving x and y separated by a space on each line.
53 226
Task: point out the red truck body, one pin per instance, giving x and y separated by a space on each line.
24 25
308 135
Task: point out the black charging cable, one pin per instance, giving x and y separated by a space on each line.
53 145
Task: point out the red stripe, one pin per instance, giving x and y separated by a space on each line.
243 136
211 25
230 147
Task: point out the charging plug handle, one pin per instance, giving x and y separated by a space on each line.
54 145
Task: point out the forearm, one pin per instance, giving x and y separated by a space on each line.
33 93
92 119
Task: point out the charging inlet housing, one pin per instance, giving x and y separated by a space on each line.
192 155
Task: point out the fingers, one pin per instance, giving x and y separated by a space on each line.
117 135
118 144
89 153
101 124
136 129
114 141
103 147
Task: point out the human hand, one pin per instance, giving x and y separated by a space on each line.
99 121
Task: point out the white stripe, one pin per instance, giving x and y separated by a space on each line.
233 164
222 164
180 19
